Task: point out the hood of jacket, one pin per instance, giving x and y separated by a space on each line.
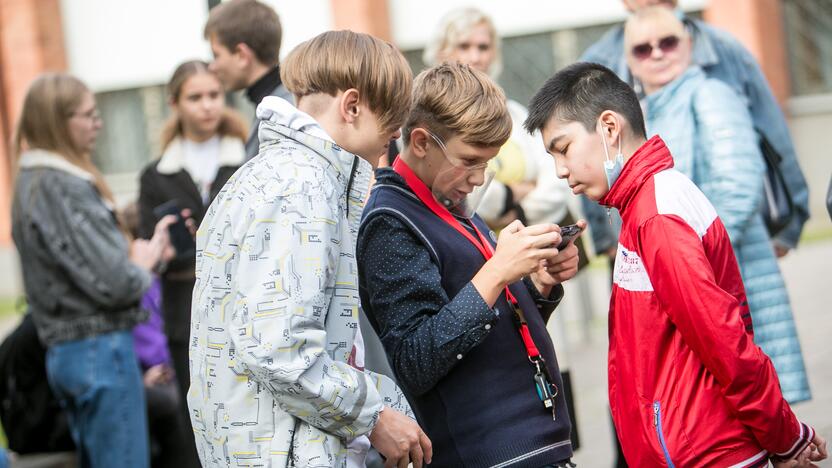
280 120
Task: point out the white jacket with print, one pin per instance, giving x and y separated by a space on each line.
275 306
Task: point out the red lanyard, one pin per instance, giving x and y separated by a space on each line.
423 192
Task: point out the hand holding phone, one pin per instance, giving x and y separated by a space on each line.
180 237
567 234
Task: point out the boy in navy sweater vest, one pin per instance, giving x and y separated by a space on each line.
462 315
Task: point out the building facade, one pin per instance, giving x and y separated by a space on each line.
125 51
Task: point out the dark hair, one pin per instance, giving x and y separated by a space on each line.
581 92
248 22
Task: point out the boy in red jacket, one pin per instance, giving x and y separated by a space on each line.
687 384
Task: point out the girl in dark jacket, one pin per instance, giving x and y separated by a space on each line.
82 277
203 145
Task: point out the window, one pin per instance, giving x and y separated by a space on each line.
808 25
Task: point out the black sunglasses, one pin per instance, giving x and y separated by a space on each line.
665 44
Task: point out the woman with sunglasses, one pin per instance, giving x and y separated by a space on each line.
709 131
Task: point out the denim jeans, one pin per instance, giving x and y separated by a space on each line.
99 384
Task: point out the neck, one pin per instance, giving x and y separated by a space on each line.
630 148
258 70
324 109
197 137
648 89
416 164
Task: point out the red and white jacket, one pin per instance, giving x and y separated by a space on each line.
687 384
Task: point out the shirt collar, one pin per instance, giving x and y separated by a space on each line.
41 158
264 86
232 153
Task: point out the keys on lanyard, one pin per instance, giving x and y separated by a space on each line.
546 390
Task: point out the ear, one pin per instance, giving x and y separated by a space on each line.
419 142
612 126
243 51
349 105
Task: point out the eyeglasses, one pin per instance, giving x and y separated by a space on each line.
458 163
645 50
92 115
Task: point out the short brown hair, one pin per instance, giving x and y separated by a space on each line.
454 99
248 22
339 60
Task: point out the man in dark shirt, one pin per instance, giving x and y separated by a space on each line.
245 39
463 322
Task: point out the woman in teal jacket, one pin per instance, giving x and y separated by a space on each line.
711 136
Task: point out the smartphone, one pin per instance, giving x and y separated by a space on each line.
180 237
567 234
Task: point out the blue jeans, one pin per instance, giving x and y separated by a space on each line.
99 384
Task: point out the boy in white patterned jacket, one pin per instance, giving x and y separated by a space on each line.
276 353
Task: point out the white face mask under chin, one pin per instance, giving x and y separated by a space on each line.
612 167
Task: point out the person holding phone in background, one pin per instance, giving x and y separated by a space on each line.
203 145
83 278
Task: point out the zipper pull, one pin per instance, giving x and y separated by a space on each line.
609 216
655 414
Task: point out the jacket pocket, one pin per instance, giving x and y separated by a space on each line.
657 423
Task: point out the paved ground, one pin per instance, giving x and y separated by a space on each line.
808 274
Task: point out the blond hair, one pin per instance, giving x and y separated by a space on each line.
340 60
50 102
454 28
248 22
231 123
454 99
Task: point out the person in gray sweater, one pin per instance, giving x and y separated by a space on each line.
82 277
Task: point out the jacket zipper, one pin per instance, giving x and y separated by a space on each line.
657 422
353 170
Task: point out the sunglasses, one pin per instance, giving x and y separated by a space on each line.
665 44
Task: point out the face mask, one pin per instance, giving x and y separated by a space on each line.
612 167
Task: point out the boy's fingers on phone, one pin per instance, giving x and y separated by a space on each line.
514 226
538 229
546 240
582 224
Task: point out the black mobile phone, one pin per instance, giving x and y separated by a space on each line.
567 234
180 237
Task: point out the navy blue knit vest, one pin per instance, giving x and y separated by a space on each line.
486 411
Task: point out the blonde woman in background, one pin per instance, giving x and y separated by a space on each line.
525 186
83 279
